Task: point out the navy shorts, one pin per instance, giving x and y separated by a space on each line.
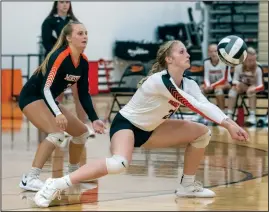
120 123
31 93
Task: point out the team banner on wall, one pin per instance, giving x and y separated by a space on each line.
136 51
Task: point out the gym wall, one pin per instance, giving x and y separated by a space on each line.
263 32
105 21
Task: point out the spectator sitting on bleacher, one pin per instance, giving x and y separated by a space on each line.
248 78
216 76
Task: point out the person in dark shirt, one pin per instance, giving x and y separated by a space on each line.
64 66
60 14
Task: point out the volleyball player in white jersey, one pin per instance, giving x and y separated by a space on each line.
248 77
144 122
217 76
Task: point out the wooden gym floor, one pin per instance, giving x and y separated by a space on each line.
237 172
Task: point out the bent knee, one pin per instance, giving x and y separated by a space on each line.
232 93
116 164
218 91
203 140
56 138
83 138
250 93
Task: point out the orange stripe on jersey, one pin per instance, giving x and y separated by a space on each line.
85 57
185 102
173 91
57 63
259 88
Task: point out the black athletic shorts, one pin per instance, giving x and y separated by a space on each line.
120 123
30 93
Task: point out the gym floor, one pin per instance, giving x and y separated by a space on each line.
237 172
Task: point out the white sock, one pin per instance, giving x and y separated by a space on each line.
252 112
229 112
72 167
187 179
63 182
34 171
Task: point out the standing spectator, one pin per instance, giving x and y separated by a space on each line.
248 77
60 14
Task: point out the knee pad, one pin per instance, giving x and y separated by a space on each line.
56 138
116 164
232 93
82 139
218 91
202 141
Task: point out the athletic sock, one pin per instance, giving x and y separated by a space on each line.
187 179
35 171
72 167
63 182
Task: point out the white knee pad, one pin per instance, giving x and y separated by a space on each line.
218 92
232 93
56 138
202 141
116 164
82 139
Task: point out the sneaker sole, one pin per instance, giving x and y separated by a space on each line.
28 188
192 196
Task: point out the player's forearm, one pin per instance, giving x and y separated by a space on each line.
51 102
87 105
227 122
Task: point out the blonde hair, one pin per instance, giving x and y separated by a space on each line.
160 64
67 30
250 51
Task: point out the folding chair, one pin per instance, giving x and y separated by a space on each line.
127 85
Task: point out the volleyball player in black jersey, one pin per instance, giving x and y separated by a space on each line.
64 66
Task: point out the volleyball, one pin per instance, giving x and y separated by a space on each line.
232 50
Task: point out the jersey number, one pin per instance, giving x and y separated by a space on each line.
169 114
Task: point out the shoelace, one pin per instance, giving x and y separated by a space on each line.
35 177
56 193
198 186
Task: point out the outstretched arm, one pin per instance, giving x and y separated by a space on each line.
197 102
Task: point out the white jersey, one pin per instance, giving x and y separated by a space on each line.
216 75
159 97
248 77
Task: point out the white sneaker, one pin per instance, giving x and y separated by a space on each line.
47 193
251 119
194 190
31 182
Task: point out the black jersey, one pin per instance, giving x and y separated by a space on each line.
51 29
62 72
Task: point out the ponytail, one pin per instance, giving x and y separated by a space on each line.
67 30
